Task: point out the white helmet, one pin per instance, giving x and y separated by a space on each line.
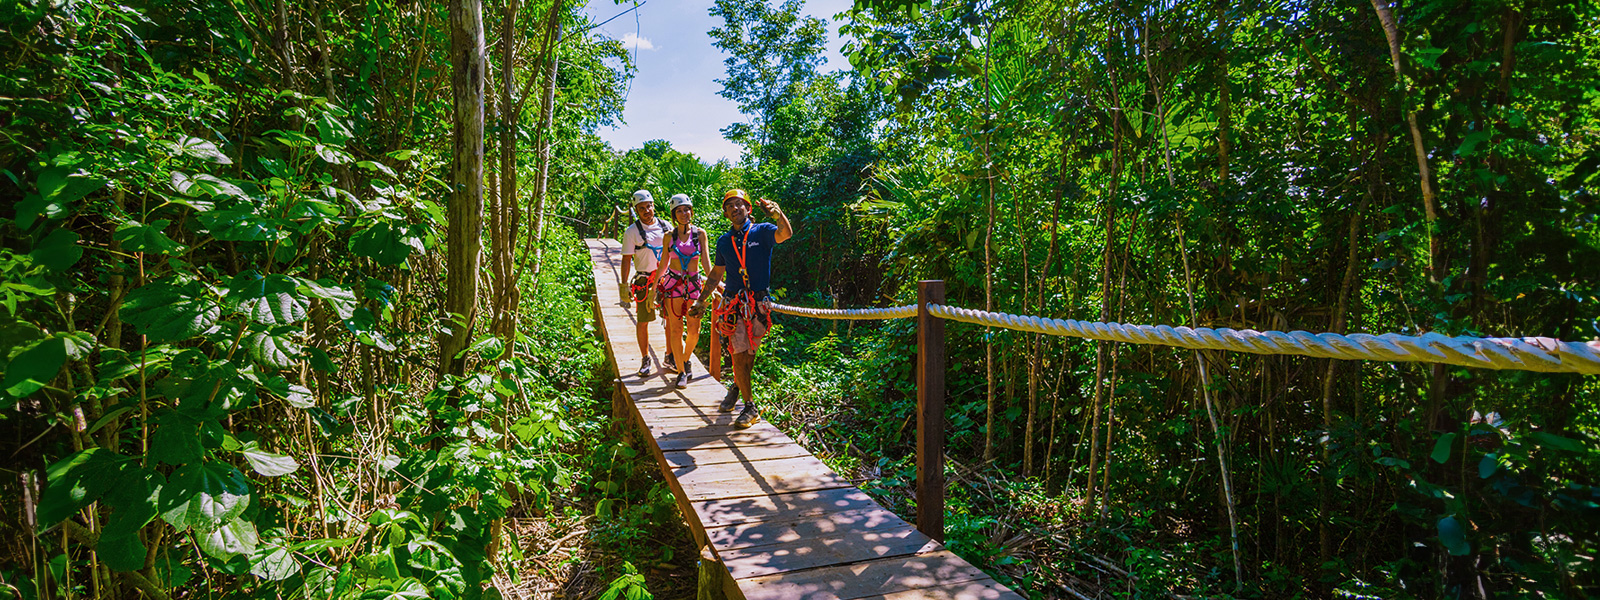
641 197
679 200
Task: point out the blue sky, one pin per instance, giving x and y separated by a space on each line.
673 95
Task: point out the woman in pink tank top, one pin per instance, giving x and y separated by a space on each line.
680 277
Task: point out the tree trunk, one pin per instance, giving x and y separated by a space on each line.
547 112
1325 501
504 235
1391 31
464 241
988 272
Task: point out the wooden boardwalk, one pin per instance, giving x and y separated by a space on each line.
782 524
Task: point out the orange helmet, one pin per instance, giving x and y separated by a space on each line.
735 193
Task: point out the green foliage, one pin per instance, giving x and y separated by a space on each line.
1261 157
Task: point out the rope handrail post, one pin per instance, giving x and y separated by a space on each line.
930 411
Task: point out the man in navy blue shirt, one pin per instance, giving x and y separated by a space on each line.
744 256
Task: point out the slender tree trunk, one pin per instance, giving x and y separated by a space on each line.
1211 413
988 271
280 38
465 212
547 112
1391 31
327 54
504 236
1325 500
1109 215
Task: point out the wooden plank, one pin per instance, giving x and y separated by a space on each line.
746 470
855 546
737 438
726 512
689 428
863 579
718 456
982 589
775 531
763 484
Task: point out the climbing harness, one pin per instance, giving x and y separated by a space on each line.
747 304
683 282
644 243
641 285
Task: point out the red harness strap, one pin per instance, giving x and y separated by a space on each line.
743 305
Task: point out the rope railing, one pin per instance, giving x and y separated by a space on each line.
1524 354
842 314
1541 354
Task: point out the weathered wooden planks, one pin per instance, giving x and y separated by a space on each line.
781 522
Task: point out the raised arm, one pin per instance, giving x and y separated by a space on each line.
785 231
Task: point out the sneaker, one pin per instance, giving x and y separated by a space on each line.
683 381
747 417
731 400
644 367
671 364
688 369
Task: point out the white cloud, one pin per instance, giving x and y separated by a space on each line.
632 41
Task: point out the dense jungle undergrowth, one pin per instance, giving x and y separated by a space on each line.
224 251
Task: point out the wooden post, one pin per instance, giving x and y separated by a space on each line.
930 411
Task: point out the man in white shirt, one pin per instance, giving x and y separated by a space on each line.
642 241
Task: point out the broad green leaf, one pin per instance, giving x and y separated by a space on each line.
59 186
272 351
1454 537
1557 442
170 313
333 154
273 299
204 496
136 237
324 544
342 300
74 482
273 562
16 336
1488 466
1441 448
239 225
64 184
78 344
33 369
268 463
379 167
122 552
200 149
232 539
176 439
382 242
405 589
1470 144
133 503
204 185
58 251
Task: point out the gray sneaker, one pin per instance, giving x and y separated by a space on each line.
731 400
644 367
671 364
747 417
683 381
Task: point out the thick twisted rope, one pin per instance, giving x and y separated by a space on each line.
1524 354
893 312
